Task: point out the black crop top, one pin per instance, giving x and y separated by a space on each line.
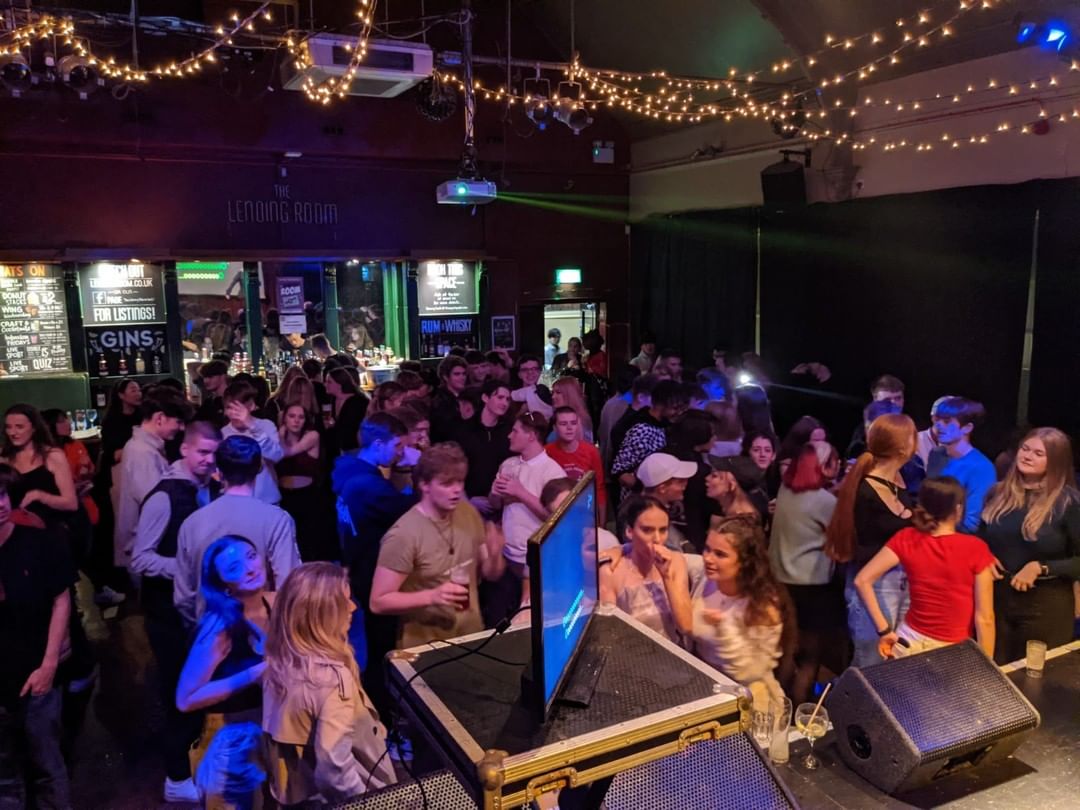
875 522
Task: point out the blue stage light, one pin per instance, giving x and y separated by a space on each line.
1026 30
1055 37
462 190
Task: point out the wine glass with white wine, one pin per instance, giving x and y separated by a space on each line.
813 726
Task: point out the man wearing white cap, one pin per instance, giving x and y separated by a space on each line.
664 477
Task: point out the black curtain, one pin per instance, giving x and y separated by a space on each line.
692 276
1055 373
929 287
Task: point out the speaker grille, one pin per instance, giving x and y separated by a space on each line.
941 719
443 791
727 774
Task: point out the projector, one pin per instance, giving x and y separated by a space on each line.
465 192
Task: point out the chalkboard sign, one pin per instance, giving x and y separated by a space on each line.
447 288
33 320
121 294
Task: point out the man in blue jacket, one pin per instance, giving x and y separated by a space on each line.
368 505
954 420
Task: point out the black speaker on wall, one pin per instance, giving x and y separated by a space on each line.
784 183
905 723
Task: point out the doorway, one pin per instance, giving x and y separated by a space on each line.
572 320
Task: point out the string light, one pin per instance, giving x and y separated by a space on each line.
195 63
335 87
49 27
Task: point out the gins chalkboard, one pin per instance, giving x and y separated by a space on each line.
33 320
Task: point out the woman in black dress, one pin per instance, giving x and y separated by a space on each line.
1031 521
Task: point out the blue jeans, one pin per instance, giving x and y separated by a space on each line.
893 598
30 736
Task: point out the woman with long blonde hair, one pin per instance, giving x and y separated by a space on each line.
1031 521
872 504
566 391
325 738
275 405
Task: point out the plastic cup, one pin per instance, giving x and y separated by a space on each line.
1036 658
459 575
761 726
778 747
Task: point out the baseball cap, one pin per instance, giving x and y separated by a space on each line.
661 467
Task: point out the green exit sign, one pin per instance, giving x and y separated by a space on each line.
568 275
201 271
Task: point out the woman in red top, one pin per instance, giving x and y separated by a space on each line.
949 574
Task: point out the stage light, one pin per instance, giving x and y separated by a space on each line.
1027 29
573 114
1056 37
15 73
540 112
78 73
745 378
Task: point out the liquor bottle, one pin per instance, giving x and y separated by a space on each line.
262 368
102 366
157 363
123 369
207 349
140 363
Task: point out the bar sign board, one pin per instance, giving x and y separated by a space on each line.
447 288
290 301
33 320
115 294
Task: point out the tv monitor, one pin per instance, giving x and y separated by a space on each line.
564 588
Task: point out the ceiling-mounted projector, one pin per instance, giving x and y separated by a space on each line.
463 191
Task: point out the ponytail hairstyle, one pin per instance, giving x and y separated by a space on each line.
891 436
939 499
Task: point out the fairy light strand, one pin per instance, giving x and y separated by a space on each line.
334 87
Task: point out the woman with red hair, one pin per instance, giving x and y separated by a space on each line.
872 505
804 507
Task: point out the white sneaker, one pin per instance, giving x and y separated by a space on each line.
181 791
107 597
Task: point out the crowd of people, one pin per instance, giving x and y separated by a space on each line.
280 545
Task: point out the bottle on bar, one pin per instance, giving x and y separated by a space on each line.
102 366
157 363
123 369
140 363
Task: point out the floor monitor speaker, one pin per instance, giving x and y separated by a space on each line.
905 723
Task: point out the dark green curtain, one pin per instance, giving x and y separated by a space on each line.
692 276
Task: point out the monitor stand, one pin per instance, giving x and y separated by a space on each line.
581 683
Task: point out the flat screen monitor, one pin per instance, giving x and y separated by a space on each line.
564 587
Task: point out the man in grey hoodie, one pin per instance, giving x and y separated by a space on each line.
237 512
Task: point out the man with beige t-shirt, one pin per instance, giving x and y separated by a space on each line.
431 559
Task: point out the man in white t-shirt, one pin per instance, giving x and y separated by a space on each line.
516 491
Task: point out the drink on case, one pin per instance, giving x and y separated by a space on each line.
778 748
459 575
1036 658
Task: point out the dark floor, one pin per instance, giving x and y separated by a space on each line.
115 763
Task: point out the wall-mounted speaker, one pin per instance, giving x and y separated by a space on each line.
784 183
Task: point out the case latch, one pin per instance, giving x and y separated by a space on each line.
703 733
556 780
